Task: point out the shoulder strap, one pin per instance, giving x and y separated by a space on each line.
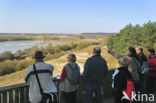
38 81
72 67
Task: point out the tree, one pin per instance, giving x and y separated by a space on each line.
136 35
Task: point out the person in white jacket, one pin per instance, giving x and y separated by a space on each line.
44 72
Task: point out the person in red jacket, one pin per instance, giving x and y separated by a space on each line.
151 74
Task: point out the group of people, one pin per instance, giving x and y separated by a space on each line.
42 87
136 73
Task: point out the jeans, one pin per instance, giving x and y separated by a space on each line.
89 94
69 97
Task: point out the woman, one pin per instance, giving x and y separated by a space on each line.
133 66
122 79
68 86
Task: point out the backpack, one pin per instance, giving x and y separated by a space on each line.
46 97
75 75
144 67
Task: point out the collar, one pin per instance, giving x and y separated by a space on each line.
39 62
96 55
123 68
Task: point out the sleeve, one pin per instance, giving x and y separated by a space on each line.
116 55
63 74
106 69
149 63
131 66
51 68
27 75
86 68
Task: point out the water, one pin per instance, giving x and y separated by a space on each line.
90 39
14 46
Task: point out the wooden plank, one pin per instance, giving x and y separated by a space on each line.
21 95
11 96
17 95
2 89
0 98
27 94
4 97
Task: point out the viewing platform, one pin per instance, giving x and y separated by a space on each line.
19 93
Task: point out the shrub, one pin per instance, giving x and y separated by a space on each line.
6 55
10 66
82 45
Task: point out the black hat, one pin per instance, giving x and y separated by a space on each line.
39 55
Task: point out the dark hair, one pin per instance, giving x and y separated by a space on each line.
133 52
151 51
39 55
141 49
97 50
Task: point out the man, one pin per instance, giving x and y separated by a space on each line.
44 72
95 70
151 74
141 56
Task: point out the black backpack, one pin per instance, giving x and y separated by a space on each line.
45 96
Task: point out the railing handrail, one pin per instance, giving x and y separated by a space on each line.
2 89
17 86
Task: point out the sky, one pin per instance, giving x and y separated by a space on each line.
73 16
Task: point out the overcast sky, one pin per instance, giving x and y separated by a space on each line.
73 16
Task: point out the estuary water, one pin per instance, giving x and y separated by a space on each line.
14 46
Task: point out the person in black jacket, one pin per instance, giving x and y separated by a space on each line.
95 70
120 78
142 58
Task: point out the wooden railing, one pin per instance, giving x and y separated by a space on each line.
19 93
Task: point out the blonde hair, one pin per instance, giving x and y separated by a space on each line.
123 61
71 57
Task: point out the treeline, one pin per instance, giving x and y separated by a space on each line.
22 59
134 35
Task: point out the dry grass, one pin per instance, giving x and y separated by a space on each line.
58 63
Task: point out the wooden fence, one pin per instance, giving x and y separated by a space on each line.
19 93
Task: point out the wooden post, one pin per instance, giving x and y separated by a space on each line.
27 94
0 98
11 96
5 97
22 95
16 95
